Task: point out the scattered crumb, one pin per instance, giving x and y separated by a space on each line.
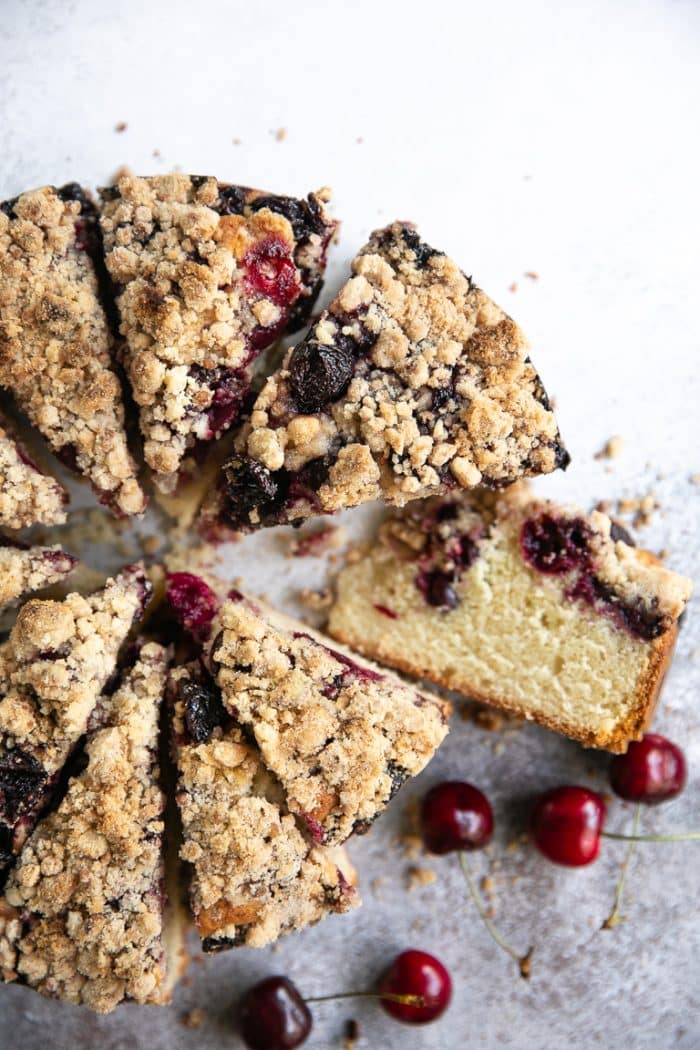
417 876
663 554
611 449
627 506
315 543
694 479
150 544
281 134
359 139
316 600
513 287
121 126
357 552
156 153
488 717
352 1034
412 845
194 1018
236 142
532 274
604 506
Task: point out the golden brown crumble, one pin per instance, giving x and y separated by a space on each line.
24 571
27 496
55 344
86 890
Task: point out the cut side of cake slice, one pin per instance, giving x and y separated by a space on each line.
340 735
26 569
254 874
520 603
55 341
27 495
82 918
206 276
412 383
54 666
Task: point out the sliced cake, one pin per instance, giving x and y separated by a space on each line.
27 496
412 383
254 874
26 569
55 342
520 603
52 670
83 913
206 275
339 735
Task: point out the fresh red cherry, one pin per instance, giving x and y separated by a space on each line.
455 816
416 973
566 825
273 1016
653 770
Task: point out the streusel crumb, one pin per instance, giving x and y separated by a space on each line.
25 570
27 497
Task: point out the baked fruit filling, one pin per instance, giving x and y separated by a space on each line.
54 666
82 919
519 603
27 495
206 275
55 341
412 383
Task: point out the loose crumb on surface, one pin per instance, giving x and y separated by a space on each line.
236 142
313 544
316 600
281 134
513 287
694 479
359 140
611 449
532 274
121 126
194 1018
417 876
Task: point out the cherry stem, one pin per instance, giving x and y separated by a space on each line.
392 997
614 917
681 837
524 961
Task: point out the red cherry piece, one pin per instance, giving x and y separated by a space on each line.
271 271
273 1016
194 603
566 825
653 770
417 973
455 816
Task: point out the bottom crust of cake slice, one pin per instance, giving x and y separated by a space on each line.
449 596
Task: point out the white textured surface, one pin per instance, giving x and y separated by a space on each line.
540 136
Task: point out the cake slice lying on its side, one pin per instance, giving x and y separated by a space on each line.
412 383
83 914
52 670
520 603
254 875
27 569
55 342
206 276
27 495
339 735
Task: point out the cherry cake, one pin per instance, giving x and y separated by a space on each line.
206 276
520 603
411 384
83 917
55 341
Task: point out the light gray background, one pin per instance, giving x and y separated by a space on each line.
554 137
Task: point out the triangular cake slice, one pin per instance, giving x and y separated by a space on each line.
521 603
412 383
340 735
55 341
206 276
52 670
254 874
83 913
27 495
27 569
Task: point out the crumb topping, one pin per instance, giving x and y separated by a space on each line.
339 736
55 343
413 382
254 874
87 886
26 570
206 276
27 497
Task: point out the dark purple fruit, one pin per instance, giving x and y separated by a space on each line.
22 779
319 374
204 710
248 484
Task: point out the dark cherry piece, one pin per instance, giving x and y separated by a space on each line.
194 603
319 374
555 545
271 271
455 816
566 825
653 770
273 1016
417 973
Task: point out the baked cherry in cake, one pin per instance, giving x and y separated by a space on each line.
83 917
59 656
255 874
55 341
27 496
412 383
206 276
25 569
520 603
